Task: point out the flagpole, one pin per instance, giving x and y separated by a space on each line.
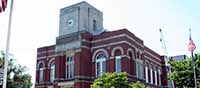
191 48
7 45
193 63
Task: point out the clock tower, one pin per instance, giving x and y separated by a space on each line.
75 19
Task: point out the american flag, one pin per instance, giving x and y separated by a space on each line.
191 46
3 5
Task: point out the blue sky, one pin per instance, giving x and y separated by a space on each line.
35 24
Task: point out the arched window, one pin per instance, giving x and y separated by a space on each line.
100 64
41 72
52 71
117 52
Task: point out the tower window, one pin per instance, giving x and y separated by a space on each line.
70 67
94 25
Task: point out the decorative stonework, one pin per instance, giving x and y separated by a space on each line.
97 51
118 47
70 52
67 38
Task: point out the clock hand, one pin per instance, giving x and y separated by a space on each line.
69 22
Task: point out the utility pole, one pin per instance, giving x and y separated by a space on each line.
166 58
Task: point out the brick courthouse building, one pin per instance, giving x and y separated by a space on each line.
84 50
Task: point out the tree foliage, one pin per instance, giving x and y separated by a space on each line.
115 80
17 76
183 73
137 85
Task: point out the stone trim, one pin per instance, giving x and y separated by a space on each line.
83 46
127 57
60 53
108 38
50 61
86 81
118 36
152 60
52 56
152 55
97 51
43 57
84 77
112 57
115 48
124 41
133 54
48 51
113 43
112 37
146 63
87 41
110 44
66 84
70 52
41 62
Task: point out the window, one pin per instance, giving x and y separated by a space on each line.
155 75
146 73
130 55
94 25
140 69
41 74
69 67
52 72
159 77
151 74
100 64
118 64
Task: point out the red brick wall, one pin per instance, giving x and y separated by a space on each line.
84 67
77 63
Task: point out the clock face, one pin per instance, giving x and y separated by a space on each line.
70 22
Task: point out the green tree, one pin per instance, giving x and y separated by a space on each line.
182 72
115 80
17 76
137 85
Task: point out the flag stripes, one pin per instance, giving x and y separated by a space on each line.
191 46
